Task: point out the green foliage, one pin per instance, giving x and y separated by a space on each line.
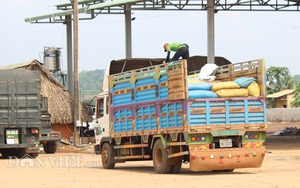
278 79
296 102
297 78
90 82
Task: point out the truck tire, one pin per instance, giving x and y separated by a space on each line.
16 152
20 152
6 152
160 158
107 156
50 147
34 155
227 170
176 168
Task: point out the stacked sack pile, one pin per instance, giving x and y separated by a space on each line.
240 87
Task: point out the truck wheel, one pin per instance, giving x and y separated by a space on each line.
176 168
6 152
20 152
227 170
160 158
50 147
14 152
34 155
107 156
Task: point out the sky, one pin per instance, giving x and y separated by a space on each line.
239 36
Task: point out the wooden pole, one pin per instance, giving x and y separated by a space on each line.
76 91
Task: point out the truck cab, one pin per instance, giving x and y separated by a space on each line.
101 120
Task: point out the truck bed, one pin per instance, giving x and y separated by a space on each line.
155 100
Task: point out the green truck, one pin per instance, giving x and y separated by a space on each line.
24 121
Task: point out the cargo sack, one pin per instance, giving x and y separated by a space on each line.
193 94
193 76
224 85
244 82
223 93
253 89
200 86
194 81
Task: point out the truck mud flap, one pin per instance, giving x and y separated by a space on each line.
225 159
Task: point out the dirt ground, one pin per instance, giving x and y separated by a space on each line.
74 167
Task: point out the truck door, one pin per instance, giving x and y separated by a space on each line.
102 117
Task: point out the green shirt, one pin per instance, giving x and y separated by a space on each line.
175 46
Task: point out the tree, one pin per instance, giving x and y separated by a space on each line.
296 102
297 78
90 82
278 79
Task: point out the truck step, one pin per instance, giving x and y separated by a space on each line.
131 146
176 144
132 157
178 154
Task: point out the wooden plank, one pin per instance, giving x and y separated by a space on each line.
176 72
177 96
233 71
176 83
177 90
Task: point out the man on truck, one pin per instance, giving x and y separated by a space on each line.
181 50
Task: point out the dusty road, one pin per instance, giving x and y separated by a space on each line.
281 168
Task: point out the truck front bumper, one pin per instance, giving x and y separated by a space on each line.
225 159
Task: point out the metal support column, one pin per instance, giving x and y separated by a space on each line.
128 40
70 74
210 32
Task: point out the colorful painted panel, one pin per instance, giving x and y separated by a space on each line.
145 89
146 118
123 121
121 94
163 87
171 115
226 112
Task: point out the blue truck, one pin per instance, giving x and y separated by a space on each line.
150 110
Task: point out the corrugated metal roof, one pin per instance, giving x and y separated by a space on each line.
56 16
91 8
280 93
79 3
